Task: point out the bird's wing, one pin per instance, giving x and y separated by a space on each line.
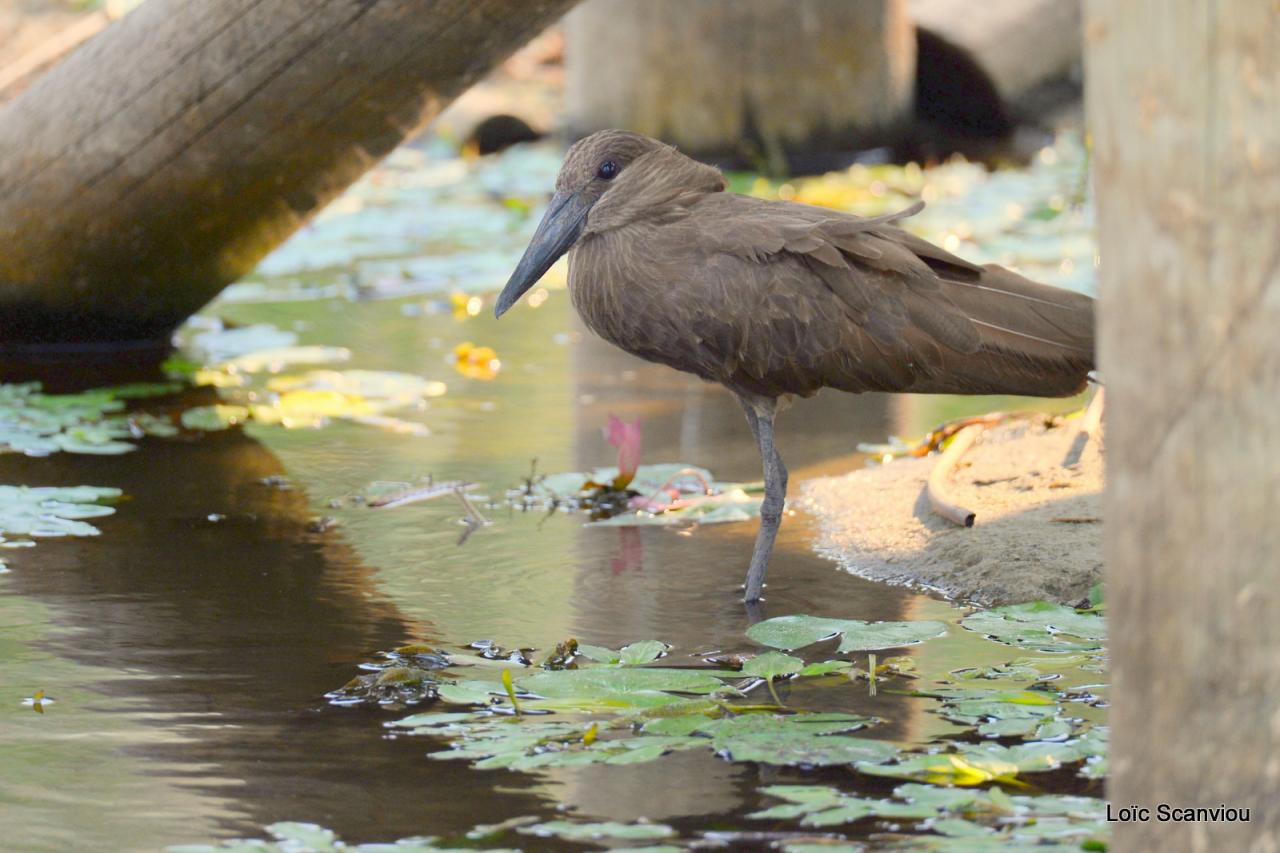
863 305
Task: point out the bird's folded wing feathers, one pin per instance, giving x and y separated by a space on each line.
887 276
914 311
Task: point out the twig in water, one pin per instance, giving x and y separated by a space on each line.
472 513
936 488
423 493
474 519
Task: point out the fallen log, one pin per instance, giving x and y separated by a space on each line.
167 155
940 499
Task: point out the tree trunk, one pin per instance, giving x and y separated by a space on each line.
743 80
1183 98
166 156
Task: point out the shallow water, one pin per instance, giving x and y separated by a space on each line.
188 647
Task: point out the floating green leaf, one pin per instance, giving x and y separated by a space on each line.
701 500
609 682
771 665
978 764
804 739
827 667
992 817
297 837
572 831
214 418
53 511
470 692
793 632
38 424
642 652
599 653
1040 625
142 390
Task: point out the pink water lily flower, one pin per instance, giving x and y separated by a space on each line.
625 437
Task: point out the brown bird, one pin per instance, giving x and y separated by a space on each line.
773 299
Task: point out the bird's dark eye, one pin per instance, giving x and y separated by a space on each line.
608 170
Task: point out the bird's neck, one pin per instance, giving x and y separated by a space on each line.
662 186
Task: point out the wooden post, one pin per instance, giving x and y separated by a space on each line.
166 156
1184 102
753 80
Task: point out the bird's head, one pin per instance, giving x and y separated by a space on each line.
611 171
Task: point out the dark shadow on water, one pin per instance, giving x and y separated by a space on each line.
234 629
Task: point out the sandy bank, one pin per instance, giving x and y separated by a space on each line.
1038 531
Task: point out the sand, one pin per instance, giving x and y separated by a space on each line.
1038 530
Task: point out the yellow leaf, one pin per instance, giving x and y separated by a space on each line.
511 690
960 771
465 306
476 362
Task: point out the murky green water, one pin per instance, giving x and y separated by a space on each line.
188 647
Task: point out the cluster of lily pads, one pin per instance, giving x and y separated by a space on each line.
532 716
94 422
592 705
30 513
248 366
961 820
658 494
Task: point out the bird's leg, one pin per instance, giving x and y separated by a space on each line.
775 495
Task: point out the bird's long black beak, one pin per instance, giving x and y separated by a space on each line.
557 232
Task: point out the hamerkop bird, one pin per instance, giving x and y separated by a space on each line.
773 299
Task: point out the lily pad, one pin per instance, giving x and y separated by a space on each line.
827 667
978 764
794 739
662 494
573 831
38 424
793 632
794 747
987 816
53 511
142 390
1042 626
222 344
642 652
214 418
529 744
276 359
584 682
298 837
772 665
600 653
